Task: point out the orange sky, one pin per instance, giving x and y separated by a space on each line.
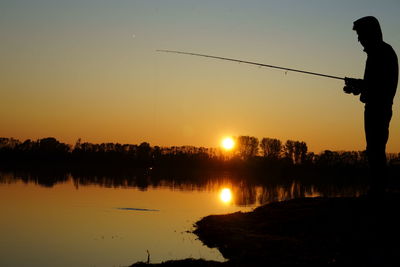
90 70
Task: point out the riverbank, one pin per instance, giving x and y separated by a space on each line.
307 231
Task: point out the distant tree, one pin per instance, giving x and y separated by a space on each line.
110 147
77 145
328 158
27 146
119 148
156 153
247 146
87 147
296 151
300 152
143 151
310 157
10 143
271 148
51 145
288 150
349 157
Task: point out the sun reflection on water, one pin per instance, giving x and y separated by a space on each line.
226 195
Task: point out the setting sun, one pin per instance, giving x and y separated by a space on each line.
228 143
226 195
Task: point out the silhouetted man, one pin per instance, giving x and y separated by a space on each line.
377 90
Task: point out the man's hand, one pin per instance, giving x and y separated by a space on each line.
355 83
353 86
348 89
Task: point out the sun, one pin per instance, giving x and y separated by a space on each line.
228 143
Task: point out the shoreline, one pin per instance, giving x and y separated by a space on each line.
306 231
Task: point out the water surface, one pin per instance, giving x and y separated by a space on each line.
71 221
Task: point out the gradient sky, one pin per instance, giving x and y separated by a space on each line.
88 69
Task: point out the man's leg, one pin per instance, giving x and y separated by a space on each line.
376 124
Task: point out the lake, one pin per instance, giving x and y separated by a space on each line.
79 220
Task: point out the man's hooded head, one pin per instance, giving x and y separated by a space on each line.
369 32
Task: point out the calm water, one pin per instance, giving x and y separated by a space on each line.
70 221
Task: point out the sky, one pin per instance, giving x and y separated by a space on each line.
89 69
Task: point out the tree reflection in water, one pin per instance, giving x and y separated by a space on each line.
244 190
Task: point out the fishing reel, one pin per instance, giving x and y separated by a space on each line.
353 86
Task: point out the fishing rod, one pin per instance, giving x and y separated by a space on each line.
253 63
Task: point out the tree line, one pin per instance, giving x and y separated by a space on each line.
247 149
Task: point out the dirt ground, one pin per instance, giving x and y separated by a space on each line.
309 232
